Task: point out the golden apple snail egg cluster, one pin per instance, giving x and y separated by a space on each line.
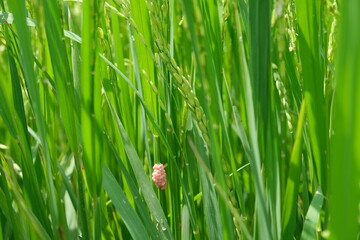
159 176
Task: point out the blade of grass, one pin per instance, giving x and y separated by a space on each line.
209 74
312 217
65 94
22 205
312 70
135 193
118 198
211 204
159 131
143 181
221 191
293 182
19 11
344 196
255 161
185 224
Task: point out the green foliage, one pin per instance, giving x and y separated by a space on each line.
251 105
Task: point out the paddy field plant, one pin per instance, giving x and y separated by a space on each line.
179 119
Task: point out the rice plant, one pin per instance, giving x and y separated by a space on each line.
179 119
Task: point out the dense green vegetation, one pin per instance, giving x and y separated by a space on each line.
253 105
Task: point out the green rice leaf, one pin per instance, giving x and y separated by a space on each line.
122 205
